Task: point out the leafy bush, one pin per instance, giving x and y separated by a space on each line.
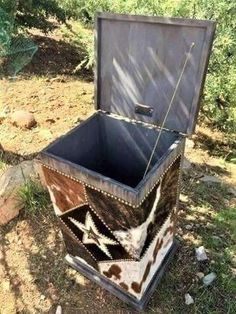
83 39
16 50
219 99
34 13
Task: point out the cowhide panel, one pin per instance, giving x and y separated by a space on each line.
135 276
93 234
65 193
135 228
167 202
76 249
116 214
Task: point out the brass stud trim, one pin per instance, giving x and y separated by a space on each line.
108 194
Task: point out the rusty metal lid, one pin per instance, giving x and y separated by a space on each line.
139 60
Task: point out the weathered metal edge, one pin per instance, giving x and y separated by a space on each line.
210 32
126 297
154 19
134 196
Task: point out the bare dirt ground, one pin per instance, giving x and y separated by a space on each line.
34 276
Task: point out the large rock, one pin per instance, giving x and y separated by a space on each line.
10 182
23 119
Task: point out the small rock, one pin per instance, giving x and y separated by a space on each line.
210 179
183 198
188 227
59 310
208 279
23 119
201 254
42 297
200 275
188 299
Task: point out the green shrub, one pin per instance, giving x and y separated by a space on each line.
34 13
219 99
83 39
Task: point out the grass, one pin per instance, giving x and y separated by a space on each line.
214 227
34 197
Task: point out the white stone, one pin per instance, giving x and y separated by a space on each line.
188 227
208 279
200 275
201 254
59 310
42 297
188 299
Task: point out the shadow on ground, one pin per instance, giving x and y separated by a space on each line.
55 57
11 158
225 148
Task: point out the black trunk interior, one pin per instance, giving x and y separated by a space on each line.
113 147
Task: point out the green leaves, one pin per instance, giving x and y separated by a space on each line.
15 51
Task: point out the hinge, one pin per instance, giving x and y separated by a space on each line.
149 125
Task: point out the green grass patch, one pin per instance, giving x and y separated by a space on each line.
34 197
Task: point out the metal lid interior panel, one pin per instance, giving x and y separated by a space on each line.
139 61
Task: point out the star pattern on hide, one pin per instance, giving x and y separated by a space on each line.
91 235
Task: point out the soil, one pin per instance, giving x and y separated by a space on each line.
34 276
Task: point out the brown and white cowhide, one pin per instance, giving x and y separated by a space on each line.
133 239
65 193
135 276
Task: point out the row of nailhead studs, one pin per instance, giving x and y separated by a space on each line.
108 194
175 207
160 178
146 124
92 209
75 237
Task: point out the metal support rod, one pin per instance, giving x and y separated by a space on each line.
169 107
